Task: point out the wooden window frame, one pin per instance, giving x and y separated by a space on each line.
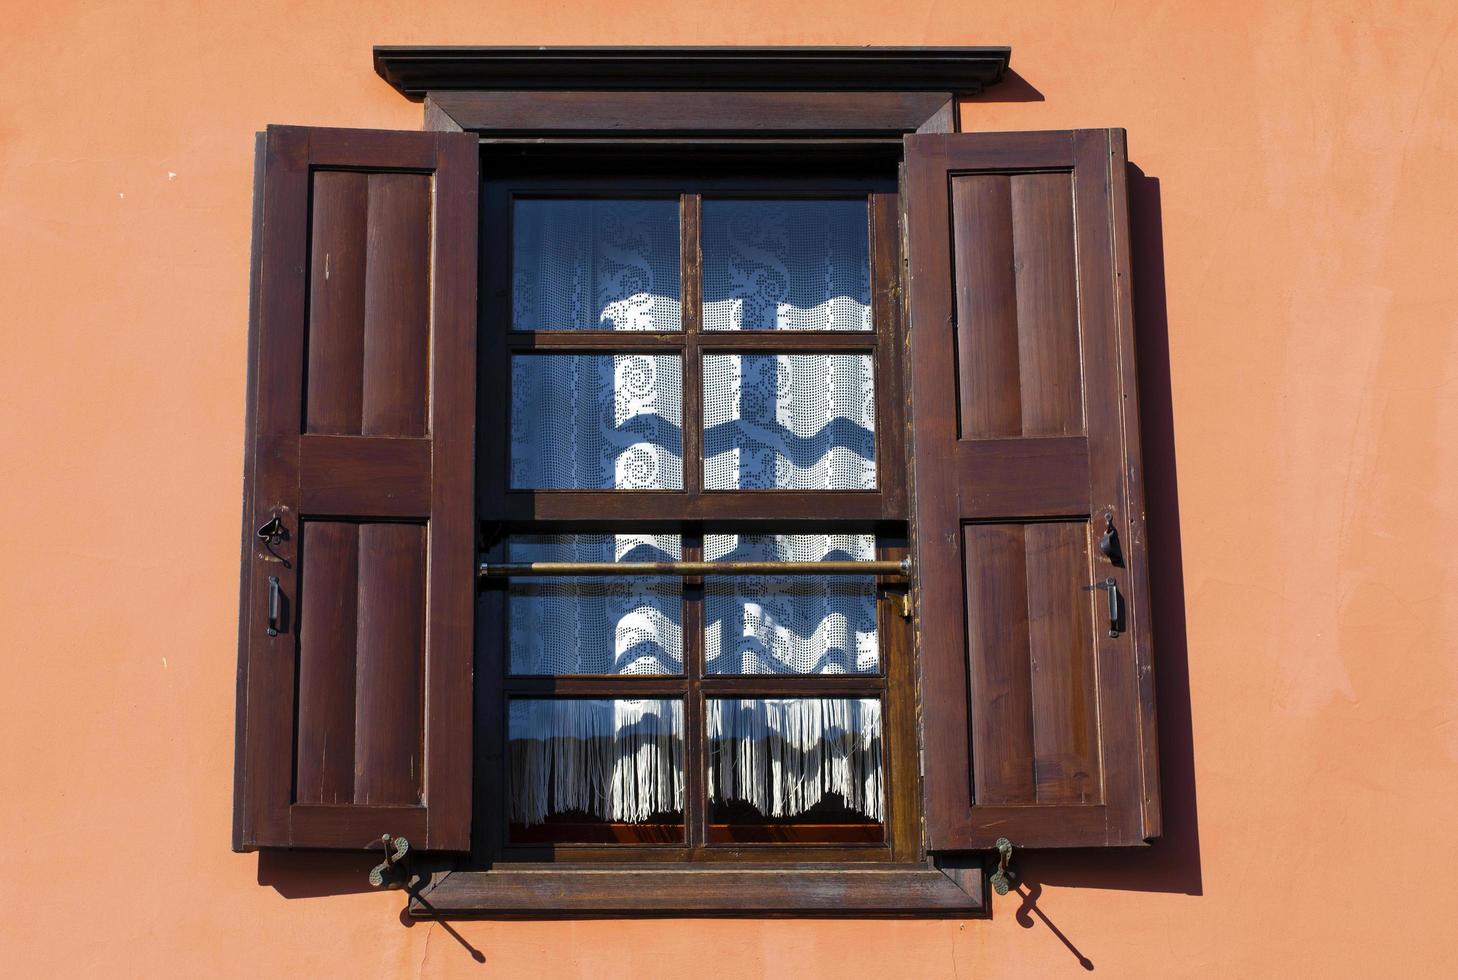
616 108
693 511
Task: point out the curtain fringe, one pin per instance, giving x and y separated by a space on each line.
623 760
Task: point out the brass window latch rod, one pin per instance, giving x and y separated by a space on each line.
898 571
540 569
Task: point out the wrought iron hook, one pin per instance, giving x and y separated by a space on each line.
1109 543
1004 876
391 870
272 533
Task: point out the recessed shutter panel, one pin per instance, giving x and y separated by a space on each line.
358 558
1033 629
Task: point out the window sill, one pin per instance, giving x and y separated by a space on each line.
552 891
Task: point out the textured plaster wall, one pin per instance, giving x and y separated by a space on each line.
1298 299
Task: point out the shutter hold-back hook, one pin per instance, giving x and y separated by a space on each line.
272 533
391 871
1109 543
1004 876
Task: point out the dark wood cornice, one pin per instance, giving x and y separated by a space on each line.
414 71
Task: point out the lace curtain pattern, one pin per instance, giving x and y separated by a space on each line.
790 624
613 760
624 761
596 422
595 265
786 265
606 625
789 422
784 755
613 421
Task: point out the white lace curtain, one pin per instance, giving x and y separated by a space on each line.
786 265
789 422
752 625
607 625
595 265
596 422
605 264
614 421
614 760
783 756
623 761
790 624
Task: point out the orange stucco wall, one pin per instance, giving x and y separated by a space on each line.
1298 295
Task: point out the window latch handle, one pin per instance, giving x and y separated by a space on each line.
1112 587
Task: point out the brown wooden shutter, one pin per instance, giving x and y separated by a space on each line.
355 719
1039 725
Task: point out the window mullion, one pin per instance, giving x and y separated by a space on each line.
695 739
691 287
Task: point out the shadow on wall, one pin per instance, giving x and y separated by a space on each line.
1172 863
314 874
1012 88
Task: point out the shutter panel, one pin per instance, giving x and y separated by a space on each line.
1038 725
355 719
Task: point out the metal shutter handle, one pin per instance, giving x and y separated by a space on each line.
275 605
1112 587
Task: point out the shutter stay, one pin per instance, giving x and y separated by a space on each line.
391 871
1004 876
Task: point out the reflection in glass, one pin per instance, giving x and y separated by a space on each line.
598 625
596 770
790 624
806 769
596 422
789 422
595 265
786 265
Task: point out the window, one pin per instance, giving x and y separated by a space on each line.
710 331
704 370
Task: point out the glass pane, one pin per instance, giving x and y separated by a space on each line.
786 265
595 265
789 422
599 625
795 769
790 624
596 771
596 422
